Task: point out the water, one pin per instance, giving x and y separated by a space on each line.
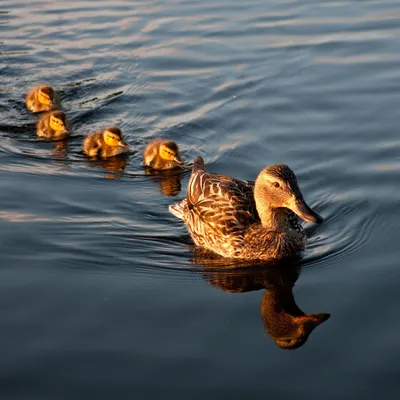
101 293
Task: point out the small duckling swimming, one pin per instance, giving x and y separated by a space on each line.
42 98
162 154
107 143
53 125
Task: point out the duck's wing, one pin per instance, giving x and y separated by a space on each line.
226 205
247 187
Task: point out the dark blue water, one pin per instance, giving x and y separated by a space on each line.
101 293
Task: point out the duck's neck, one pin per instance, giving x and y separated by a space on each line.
274 219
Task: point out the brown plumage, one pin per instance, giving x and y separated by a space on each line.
103 144
162 154
53 125
42 98
243 219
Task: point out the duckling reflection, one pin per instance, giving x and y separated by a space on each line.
114 165
169 180
285 323
60 149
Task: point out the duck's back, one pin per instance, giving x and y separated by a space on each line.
218 210
43 127
93 144
32 102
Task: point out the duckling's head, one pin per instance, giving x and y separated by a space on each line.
169 151
46 96
58 122
277 186
113 137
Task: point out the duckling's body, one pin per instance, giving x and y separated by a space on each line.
53 125
42 98
243 219
104 144
162 154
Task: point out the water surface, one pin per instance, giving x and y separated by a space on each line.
102 294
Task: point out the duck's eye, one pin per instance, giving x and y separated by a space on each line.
276 184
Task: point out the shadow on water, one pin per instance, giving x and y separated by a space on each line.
284 321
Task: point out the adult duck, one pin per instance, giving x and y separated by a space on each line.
245 219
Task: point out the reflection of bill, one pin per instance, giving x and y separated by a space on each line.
286 324
169 180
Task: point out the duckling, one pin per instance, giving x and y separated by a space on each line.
162 154
107 143
244 219
53 125
42 98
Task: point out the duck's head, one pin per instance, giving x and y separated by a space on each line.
113 137
284 321
277 186
169 151
47 96
58 122
298 329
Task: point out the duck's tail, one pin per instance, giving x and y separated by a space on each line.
198 164
178 209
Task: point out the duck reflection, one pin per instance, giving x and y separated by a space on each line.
169 180
114 165
285 323
60 149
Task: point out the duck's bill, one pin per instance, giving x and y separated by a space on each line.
122 144
311 321
178 160
301 208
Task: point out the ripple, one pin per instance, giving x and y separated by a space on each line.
349 232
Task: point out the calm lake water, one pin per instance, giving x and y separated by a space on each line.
101 293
